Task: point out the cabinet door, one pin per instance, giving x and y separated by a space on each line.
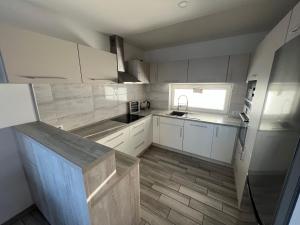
155 125
223 143
97 66
208 69
148 131
198 138
294 27
172 72
34 58
153 73
238 68
171 135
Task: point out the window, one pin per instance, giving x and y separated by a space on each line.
201 97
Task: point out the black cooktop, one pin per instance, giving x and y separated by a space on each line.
127 118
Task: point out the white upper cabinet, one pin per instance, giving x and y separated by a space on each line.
97 66
171 132
172 72
223 143
140 70
35 58
198 138
238 68
262 60
212 69
294 27
153 73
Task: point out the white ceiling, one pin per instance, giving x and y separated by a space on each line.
151 23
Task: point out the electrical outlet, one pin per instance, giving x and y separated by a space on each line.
60 127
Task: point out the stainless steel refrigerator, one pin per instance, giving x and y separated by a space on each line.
275 159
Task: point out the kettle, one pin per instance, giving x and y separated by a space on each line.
145 105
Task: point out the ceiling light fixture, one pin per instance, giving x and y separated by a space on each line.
182 4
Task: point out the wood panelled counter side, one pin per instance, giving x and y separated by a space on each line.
75 181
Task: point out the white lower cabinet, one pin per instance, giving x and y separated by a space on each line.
171 132
155 131
223 143
198 138
131 140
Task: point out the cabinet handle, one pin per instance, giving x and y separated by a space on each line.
137 133
139 145
42 77
115 137
295 29
157 122
180 131
194 125
119 144
217 131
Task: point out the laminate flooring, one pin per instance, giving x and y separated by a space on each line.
183 190
178 190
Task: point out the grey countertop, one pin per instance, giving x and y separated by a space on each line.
80 151
99 130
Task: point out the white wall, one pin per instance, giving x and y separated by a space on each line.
14 192
16 105
226 46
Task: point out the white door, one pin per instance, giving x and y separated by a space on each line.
198 138
155 125
172 72
294 27
97 66
35 58
212 69
223 143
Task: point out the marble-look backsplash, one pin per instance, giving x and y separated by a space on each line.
76 105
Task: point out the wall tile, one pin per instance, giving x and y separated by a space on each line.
43 93
62 91
66 107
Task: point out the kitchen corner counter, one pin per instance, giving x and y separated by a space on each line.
80 151
198 116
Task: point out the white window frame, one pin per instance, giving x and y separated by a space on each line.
226 86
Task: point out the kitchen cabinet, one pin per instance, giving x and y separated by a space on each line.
223 144
213 69
171 132
238 68
155 125
198 138
294 27
97 66
118 140
153 73
30 57
172 72
140 70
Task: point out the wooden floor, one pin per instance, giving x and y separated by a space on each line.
179 190
182 190
31 216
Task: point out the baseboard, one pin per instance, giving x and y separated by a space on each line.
193 155
19 215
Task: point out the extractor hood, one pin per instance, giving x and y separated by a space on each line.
117 47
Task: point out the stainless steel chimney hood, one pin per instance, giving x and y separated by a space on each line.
117 47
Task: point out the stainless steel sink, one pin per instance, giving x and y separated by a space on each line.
177 113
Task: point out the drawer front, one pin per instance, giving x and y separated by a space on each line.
172 121
137 129
137 146
115 140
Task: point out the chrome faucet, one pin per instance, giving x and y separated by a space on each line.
187 102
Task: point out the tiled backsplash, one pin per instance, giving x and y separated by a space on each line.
76 105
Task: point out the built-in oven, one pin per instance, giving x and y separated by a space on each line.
251 86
